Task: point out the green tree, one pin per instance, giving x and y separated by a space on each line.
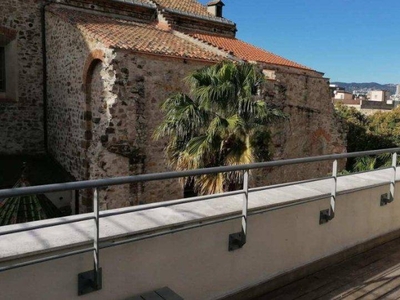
386 125
224 121
378 131
369 163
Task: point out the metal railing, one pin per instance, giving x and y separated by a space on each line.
92 281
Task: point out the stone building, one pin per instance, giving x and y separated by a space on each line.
88 76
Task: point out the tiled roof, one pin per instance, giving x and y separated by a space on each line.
188 6
246 51
24 209
137 2
122 34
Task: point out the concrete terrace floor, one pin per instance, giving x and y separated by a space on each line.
374 274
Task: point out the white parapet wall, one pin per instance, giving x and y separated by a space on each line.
196 264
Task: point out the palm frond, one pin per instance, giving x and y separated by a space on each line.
224 121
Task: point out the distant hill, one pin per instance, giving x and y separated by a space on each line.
366 86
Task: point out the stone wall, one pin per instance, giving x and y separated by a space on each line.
101 123
104 107
21 115
79 92
311 130
143 83
67 107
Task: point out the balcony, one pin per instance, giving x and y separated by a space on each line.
274 242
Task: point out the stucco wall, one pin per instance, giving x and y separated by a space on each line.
196 263
21 114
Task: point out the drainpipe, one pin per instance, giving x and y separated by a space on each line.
44 58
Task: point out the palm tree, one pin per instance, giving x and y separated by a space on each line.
369 163
224 121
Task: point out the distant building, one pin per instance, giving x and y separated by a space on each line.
334 88
343 95
360 94
370 107
381 96
346 98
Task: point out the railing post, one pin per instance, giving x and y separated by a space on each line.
245 203
393 183
326 215
388 198
237 240
92 280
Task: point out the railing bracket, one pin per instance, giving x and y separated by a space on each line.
88 282
236 241
324 216
385 199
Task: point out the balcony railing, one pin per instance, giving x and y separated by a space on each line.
92 280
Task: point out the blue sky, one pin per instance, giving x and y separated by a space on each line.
348 40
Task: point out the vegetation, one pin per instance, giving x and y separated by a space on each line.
224 121
378 131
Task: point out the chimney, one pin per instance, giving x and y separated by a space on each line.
215 8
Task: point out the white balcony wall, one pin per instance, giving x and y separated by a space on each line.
196 264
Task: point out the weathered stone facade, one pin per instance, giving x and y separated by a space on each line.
143 82
69 109
104 97
21 113
311 129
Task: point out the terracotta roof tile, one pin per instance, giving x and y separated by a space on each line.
122 34
246 51
187 6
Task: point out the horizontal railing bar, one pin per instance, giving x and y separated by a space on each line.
57 223
169 203
316 198
269 187
171 175
145 237
48 258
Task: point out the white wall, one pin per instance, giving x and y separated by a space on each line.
196 264
378 96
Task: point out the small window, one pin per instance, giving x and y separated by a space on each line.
2 70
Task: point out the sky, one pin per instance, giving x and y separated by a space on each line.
348 40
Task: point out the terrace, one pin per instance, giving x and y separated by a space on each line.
320 238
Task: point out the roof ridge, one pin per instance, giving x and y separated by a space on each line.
191 8
211 44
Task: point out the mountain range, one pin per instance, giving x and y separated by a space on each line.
367 86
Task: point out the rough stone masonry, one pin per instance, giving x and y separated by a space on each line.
111 64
